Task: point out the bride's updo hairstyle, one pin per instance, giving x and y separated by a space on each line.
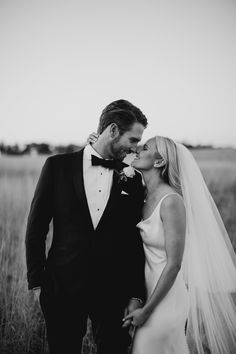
170 171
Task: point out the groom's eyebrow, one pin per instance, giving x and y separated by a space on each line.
135 140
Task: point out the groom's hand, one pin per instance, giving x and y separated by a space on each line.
36 293
133 305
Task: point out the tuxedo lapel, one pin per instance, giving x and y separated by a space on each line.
78 180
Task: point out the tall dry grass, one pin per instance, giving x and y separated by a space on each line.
22 327
219 171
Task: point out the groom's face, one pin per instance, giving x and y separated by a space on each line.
127 142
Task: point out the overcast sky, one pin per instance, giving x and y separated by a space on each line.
61 62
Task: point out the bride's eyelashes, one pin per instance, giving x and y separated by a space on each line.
145 147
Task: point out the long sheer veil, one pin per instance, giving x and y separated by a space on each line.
209 265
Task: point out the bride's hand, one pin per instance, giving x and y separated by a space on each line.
137 317
93 137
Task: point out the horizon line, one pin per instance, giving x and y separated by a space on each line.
79 144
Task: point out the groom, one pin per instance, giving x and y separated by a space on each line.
95 264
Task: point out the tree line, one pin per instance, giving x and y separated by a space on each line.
48 149
37 149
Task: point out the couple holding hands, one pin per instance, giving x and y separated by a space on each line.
141 250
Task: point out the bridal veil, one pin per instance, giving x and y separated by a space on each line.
209 265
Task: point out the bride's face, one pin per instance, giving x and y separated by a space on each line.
146 156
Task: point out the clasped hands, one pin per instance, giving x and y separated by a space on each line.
135 315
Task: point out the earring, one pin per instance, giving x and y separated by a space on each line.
159 163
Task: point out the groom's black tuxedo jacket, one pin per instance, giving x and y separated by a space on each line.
108 258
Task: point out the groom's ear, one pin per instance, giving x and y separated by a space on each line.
114 130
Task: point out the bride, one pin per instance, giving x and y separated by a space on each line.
190 268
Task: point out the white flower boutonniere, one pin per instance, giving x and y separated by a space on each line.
127 172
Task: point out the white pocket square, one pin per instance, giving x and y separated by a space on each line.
123 192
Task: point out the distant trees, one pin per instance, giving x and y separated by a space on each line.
42 149
47 149
10 149
37 149
197 147
66 148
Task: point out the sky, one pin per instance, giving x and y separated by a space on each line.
62 62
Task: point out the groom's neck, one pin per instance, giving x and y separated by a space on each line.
102 148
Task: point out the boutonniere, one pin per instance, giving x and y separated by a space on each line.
125 173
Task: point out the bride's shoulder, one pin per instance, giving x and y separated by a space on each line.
172 204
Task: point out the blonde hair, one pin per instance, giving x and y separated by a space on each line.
166 147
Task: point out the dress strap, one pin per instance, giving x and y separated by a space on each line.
157 207
167 195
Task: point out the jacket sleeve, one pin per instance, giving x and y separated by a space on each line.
39 219
138 288
135 258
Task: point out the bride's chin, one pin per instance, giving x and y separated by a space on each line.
134 165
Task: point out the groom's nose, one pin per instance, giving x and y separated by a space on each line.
139 148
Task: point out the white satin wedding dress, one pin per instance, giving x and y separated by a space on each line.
164 331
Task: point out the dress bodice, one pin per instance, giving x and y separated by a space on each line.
163 332
152 233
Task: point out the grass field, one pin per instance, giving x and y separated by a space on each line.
21 324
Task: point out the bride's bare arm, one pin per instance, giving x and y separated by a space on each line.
173 217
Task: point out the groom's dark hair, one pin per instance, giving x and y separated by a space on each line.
123 113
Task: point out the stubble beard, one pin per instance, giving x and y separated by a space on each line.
116 150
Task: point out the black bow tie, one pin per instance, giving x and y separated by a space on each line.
111 164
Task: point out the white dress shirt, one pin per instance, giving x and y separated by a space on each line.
97 184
